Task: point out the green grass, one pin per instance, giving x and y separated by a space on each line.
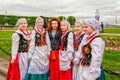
6 45
112 30
6 34
111 61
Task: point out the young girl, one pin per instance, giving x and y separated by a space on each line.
20 47
53 40
79 38
92 52
39 64
66 51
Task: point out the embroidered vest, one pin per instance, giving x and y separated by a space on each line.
77 42
38 39
55 42
23 44
86 54
64 41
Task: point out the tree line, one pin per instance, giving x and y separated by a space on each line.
12 19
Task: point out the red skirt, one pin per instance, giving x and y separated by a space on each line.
66 75
13 70
54 65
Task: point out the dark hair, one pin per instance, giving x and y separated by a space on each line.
45 22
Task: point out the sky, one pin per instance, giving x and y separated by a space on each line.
81 9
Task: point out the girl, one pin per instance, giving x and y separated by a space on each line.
79 38
66 51
53 40
20 47
92 52
39 64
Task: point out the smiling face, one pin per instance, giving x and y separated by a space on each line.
23 25
40 23
88 29
78 28
64 26
54 25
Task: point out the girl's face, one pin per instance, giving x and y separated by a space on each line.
88 29
23 25
64 26
54 25
78 27
40 23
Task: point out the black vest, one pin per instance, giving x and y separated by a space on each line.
87 56
64 41
37 38
23 44
55 42
78 41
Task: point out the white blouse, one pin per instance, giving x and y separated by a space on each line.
65 56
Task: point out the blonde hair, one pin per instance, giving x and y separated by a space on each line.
19 21
68 24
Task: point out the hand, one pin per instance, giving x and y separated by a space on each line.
12 61
70 59
29 59
76 63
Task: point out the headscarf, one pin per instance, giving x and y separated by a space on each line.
93 23
19 21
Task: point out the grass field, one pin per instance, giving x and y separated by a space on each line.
112 30
111 59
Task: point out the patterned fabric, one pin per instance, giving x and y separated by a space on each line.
38 40
23 44
78 41
86 59
54 65
39 63
93 71
93 23
86 53
22 56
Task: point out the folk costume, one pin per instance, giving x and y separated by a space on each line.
91 54
66 55
54 42
39 64
79 38
20 47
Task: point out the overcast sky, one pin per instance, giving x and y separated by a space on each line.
109 9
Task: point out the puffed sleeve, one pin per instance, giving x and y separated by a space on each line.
97 55
32 43
70 46
15 45
48 42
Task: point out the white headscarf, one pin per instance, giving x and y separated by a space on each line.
19 21
93 23
38 18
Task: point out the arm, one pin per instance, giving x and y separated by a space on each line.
97 54
70 46
48 43
15 46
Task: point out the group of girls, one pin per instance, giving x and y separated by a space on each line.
55 52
